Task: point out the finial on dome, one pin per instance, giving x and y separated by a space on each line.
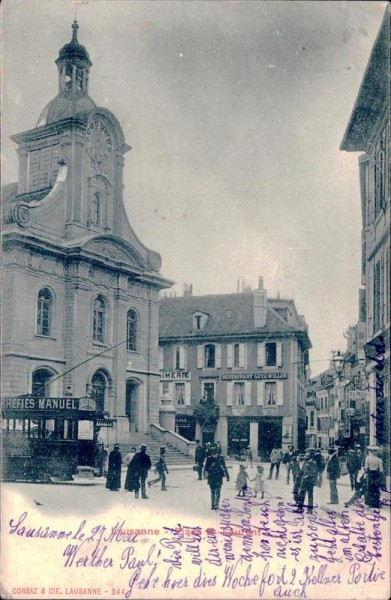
75 27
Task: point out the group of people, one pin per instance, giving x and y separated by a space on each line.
138 464
307 471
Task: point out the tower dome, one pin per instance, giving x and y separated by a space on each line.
73 64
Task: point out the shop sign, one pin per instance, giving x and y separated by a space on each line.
32 403
256 376
355 394
178 375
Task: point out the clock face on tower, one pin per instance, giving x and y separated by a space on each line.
98 140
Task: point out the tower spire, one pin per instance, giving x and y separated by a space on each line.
75 27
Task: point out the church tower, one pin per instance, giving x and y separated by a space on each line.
80 287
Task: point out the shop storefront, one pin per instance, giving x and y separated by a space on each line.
47 437
185 425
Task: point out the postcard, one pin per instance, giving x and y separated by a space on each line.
196 300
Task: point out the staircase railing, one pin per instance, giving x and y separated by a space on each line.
164 436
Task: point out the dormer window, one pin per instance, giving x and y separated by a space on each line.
199 321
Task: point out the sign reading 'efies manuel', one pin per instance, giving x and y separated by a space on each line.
30 403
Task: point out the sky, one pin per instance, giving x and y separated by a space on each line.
235 112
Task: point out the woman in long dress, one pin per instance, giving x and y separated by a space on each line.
113 482
132 481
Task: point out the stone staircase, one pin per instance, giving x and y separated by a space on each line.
173 456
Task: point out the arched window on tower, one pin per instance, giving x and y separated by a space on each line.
44 312
131 330
99 384
98 323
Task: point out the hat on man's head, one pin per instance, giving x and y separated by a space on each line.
116 445
373 448
358 445
143 447
332 450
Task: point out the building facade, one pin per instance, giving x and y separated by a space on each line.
81 292
337 407
368 132
234 366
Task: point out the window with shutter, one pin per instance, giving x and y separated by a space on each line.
260 393
279 354
230 354
261 355
200 357
239 393
247 389
218 356
242 356
161 358
280 392
229 392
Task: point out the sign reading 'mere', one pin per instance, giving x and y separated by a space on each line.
30 403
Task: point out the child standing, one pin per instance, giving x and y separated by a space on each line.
259 482
241 481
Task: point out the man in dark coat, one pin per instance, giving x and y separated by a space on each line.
333 473
216 469
321 464
113 481
143 464
287 460
199 458
354 465
308 480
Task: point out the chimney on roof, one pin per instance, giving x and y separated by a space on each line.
260 304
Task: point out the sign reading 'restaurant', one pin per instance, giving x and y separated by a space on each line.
29 403
255 376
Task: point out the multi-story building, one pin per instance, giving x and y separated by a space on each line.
321 419
368 132
81 292
244 356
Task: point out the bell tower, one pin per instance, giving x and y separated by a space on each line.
73 65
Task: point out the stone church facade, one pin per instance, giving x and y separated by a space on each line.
81 292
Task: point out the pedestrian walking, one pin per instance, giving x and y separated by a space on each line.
275 461
333 471
249 456
259 482
161 470
309 479
374 474
199 458
353 465
216 469
241 481
143 464
132 481
113 482
299 467
321 465
287 460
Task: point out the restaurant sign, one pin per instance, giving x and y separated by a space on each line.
257 376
